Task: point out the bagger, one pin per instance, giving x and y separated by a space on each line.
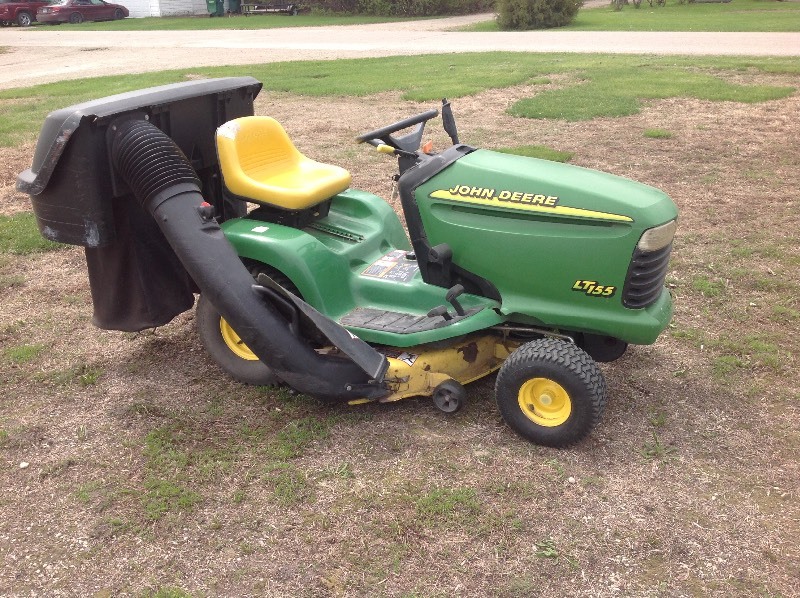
531 267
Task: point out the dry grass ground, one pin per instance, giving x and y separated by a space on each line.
149 472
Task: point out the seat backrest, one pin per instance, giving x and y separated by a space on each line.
258 145
260 163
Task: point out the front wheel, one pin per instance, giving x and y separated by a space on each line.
24 19
76 18
118 14
551 392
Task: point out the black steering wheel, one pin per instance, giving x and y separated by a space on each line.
408 143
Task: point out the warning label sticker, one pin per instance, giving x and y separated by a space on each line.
405 357
395 266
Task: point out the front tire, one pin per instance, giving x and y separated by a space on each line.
119 15
551 392
24 19
76 18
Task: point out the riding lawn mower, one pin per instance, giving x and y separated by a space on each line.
533 268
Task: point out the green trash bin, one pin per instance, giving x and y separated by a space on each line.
235 6
215 8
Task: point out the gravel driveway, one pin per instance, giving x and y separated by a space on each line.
67 54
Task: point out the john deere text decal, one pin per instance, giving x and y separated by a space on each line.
532 202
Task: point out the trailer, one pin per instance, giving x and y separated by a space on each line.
259 8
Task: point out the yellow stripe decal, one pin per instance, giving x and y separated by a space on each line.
511 201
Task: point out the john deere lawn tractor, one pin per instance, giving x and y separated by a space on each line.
529 267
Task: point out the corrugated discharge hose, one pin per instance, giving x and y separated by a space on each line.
165 184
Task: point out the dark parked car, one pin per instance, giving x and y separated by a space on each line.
78 11
21 12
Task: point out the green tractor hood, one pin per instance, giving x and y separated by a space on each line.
562 245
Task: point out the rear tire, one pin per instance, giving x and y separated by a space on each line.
76 18
551 392
224 345
24 19
228 351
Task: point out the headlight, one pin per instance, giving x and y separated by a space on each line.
657 238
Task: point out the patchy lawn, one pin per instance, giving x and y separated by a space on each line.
146 470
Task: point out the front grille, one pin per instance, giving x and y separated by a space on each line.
645 278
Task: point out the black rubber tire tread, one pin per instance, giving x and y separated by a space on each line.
452 403
24 19
573 369
118 14
255 373
76 18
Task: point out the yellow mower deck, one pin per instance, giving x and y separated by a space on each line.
417 371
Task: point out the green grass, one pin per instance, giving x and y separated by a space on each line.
444 504
289 485
23 353
168 592
292 440
538 151
164 496
657 134
181 461
656 450
617 88
785 313
602 85
724 365
739 15
19 235
274 21
708 287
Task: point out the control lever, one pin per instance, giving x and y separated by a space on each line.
452 298
449 121
440 311
394 151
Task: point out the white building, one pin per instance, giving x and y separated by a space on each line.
166 8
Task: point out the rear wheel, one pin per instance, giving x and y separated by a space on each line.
225 346
76 18
227 349
24 19
551 392
5 23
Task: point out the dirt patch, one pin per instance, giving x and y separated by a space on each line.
148 469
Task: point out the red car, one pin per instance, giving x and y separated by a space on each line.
21 12
78 11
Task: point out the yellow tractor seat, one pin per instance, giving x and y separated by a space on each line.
261 164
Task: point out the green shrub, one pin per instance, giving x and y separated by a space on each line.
536 14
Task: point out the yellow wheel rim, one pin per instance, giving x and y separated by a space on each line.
234 343
545 402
